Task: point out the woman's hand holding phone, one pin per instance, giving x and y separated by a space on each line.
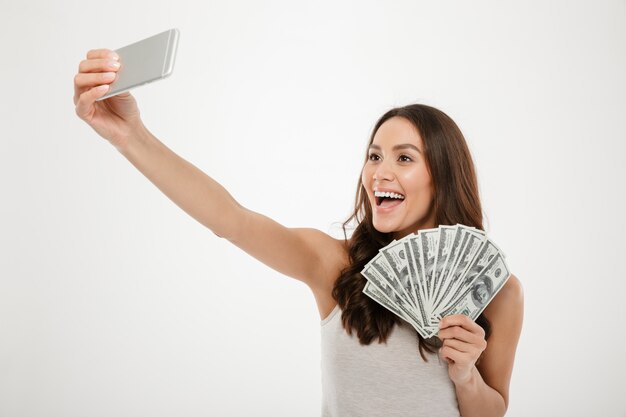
116 118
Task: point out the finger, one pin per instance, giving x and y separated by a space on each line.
459 345
462 321
455 320
459 333
102 53
84 82
99 65
450 354
84 105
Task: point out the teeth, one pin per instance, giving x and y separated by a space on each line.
388 195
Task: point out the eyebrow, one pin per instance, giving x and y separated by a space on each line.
396 147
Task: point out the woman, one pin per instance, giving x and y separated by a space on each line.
373 363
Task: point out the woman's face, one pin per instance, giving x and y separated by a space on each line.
396 164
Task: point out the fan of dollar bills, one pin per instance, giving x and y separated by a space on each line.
436 273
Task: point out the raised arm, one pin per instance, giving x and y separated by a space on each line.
305 254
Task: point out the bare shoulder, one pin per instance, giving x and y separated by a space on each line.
324 241
333 254
322 238
509 300
306 254
333 259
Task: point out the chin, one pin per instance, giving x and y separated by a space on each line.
385 227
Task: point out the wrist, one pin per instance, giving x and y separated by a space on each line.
134 136
469 383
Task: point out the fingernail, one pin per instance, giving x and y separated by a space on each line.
102 87
108 75
114 64
114 56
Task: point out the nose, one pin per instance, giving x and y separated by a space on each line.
383 172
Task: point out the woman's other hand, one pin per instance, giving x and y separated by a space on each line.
114 118
463 343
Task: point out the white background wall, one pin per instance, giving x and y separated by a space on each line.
114 302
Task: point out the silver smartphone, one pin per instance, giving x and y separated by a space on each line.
145 61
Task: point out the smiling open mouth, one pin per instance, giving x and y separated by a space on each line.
387 199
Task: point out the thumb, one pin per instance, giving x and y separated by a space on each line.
85 103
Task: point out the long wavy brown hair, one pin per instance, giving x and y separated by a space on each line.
456 200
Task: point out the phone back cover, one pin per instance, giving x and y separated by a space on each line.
145 61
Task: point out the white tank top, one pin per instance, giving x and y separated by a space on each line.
387 380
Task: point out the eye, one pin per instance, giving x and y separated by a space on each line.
405 158
373 157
